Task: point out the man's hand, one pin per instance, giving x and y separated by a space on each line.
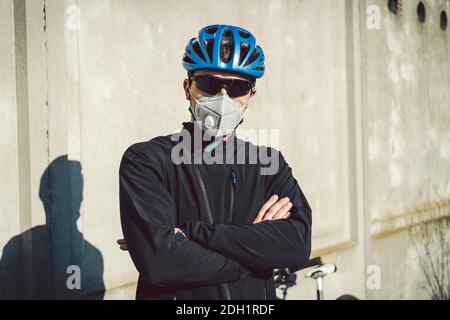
274 209
123 245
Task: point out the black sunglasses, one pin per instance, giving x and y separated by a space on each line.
212 85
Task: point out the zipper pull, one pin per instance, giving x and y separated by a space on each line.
234 181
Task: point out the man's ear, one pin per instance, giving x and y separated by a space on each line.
186 89
253 93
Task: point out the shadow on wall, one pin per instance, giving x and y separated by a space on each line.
36 263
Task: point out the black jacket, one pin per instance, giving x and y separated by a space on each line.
224 256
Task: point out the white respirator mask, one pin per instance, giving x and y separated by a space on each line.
219 114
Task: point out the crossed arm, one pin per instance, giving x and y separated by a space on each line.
212 253
273 209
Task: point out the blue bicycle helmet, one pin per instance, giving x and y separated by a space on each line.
227 48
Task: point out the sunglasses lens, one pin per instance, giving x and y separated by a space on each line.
208 84
212 85
239 88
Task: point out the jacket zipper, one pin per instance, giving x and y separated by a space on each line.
233 191
224 286
230 216
265 290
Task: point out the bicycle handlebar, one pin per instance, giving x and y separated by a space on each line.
317 261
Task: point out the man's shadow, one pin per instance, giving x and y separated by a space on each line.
54 261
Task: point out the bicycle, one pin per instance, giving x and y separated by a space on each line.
285 278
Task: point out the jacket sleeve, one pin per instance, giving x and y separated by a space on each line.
147 216
267 244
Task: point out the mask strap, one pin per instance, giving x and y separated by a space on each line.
245 109
192 96
191 107
250 99
190 110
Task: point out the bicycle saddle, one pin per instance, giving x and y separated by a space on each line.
321 271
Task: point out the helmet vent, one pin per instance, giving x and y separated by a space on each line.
253 57
197 50
226 46
187 59
244 51
210 48
245 35
211 30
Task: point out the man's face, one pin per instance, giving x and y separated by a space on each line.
197 93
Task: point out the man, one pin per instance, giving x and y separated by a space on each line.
198 230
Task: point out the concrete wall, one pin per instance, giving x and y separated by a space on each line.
363 119
406 84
